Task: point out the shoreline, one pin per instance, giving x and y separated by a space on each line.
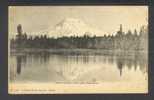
79 51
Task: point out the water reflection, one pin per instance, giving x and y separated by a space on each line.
73 65
29 58
19 59
120 64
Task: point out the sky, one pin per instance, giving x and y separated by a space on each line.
105 18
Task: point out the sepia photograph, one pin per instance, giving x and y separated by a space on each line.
77 49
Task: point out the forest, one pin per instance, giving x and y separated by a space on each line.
131 40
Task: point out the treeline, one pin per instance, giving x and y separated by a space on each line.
123 41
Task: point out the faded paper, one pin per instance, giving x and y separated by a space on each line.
78 49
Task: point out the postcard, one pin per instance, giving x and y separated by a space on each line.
77 49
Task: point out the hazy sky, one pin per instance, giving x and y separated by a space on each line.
105 18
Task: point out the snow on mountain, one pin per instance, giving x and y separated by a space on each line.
70 27
67 27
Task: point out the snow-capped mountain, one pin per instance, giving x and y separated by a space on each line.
70 27
67 27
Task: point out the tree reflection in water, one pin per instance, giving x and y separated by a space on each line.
45 58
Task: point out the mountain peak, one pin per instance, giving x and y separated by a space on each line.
72 26
71 21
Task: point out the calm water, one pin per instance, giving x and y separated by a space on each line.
52 67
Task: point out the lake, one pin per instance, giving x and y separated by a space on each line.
77 66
